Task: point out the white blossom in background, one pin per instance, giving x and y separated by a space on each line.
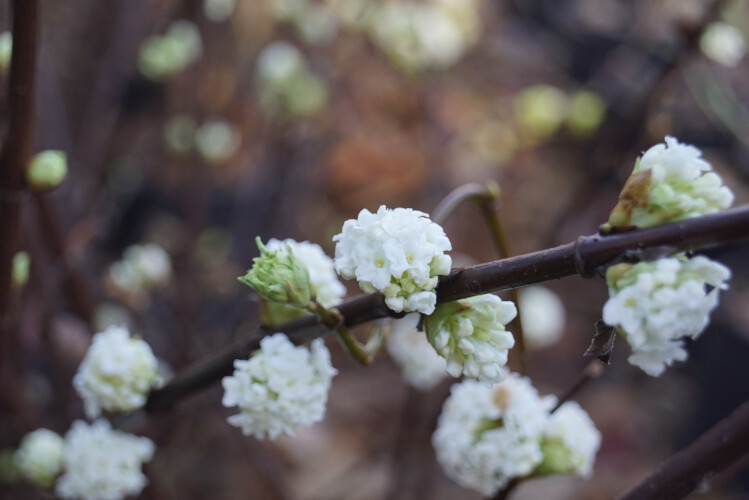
470 334
570 442
102 463
179 133
486 436
280 388
433 34
398 252
39 457
286 84
422 367
654 304
326 286
542 315
723 43
670 182
117 372
142 267
217 140
163 56
219 10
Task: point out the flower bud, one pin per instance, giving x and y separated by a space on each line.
279 277
47 170
21 264
6 50
39 458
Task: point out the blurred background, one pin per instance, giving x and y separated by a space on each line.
193 126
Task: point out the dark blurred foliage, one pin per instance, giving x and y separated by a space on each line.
385 136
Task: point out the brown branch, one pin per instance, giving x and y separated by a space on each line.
584 257
17 146
693 467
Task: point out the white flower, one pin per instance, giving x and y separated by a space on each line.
142 266
422 367
723 43
280 388
161 57
486 436
542 315
39 458
670 182
217 140
655 304
470 335
328 290
398 252
219 10
570 442
101 463
117 372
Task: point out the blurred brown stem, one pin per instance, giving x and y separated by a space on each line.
583 257
692 468
16 147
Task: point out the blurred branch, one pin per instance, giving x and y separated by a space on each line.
583 257
17 145
693 467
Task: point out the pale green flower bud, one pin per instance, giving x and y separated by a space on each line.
47 170
586 113
8 468
39 458
21 264
540 110
6 50
279 277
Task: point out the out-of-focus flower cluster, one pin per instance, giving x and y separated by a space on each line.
280 388
398 252
216 140
142 268
470 334
655 304
422 367
488 436
723 43
117 373
163 56
287 86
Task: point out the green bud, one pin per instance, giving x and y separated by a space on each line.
6 50
8 468
586 113
47 170
279 277
557 459
21 264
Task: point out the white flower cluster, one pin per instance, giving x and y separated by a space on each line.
286 83
470 335
486 436
723 43
102 463
398 252
670 182
142 267
280 388
542 315
328 290
655 304
570 442
39 457
162 56
117 372
422 367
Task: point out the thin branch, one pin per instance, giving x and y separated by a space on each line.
693 467
17 146
592 371
583 257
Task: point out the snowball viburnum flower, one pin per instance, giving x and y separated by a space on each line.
280 388
39 458
470 335
102 463
570 442
670 182
486 436
326 288
117 372
655 304
398 252
422 367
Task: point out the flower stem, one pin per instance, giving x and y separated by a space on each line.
332 319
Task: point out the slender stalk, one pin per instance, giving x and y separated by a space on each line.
591 372
582 257
332 319
17 146
692 468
